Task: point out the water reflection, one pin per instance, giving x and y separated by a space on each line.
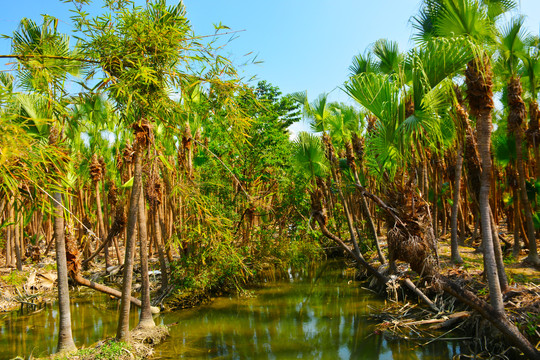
312 315
93 317
323 318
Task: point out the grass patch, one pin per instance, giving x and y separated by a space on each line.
15 278
108 350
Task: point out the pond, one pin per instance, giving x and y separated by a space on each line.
311 315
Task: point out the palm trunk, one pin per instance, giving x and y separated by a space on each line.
9 261
454 243
503 279
65 337
161 252
122 333
145 320
516 117
101 224
480 95
525 205
517 224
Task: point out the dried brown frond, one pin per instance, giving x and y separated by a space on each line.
128 153
409 107
119 223
144 135
533 131
103 166
410 239
358 146
479 81
371 121
87 225
462 116
517 111
349 153
318 208
54 135
330 151
187 138
96 171
154 192
72 252
112 196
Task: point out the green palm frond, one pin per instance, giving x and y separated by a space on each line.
34 114
363 64
511 44
309 156
387 53
499 7
452 18
44 53
531 70
376 93
435 60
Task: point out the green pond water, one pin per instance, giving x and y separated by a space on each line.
312 315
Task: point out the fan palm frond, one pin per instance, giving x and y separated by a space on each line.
309 156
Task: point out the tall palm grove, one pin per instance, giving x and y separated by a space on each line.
136 145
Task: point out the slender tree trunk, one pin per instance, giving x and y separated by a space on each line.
480 95
65 337
454 243
503 280
145 320
517 224
101 224
525 205
161 252
516 117
435 197
9 261
17 240
122 333
365 210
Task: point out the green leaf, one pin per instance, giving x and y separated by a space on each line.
166 162
128 184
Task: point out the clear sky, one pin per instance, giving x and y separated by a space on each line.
304 44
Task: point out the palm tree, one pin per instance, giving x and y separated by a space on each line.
141 68
511 47
530 71
317 112
38 49
470 18
308 154
475 19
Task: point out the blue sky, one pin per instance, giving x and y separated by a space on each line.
304 44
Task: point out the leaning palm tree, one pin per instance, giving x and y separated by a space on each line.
475 20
